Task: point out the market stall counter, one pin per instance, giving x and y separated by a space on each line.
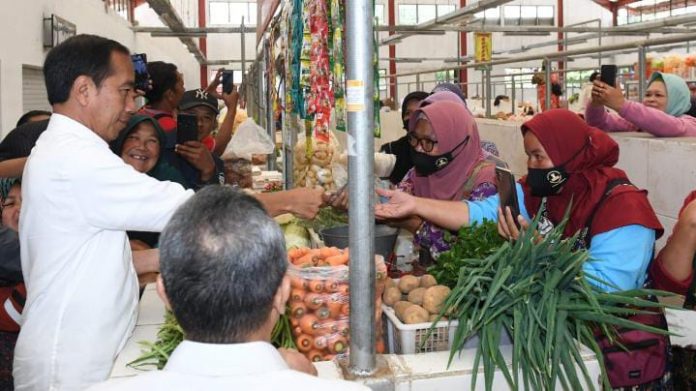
408 372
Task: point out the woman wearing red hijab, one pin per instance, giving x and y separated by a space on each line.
449 164
568 160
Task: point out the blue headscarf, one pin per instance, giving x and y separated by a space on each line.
678 94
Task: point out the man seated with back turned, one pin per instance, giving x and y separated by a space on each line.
223 274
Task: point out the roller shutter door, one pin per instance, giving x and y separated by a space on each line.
34 90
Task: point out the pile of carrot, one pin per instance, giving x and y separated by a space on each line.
319 306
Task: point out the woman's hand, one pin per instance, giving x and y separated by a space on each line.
411 224
400 205
609 96
506 224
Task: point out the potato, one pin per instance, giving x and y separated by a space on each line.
400 307
416 296
391 296
390 283
408 283
434 297
427 280
433 317
415 314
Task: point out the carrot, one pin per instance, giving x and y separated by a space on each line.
328 357
294 253
345 309
314 300
309 323
304 343
337 260
331 285
297 294
327 252
294 322
306 260
296 331
315 356
321 342
323 312
298 309
337 345
298 282
344 290
316 286
334 309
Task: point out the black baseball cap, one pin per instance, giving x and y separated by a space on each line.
199 97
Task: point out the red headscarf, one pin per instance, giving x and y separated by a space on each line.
451 122
588 155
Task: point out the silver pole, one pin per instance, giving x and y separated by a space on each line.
547 65
641 73
360 102
289 140
270 123
242 46
418 84
488 102
512 97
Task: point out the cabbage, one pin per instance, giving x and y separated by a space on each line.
295 236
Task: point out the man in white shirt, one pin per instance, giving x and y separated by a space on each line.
223 273
78 201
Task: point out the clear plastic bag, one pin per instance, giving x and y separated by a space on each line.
319 309
316 164
250 139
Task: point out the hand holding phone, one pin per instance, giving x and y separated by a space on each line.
142 77
507 192
227 81
608 74
186 128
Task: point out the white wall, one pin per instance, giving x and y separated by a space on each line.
22 44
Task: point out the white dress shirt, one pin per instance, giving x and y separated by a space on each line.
246 366
79 199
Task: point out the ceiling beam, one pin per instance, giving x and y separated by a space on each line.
171 19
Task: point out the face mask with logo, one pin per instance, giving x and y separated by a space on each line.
546 181
427 165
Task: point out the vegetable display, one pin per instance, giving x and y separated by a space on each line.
170 335
536 291
476 241
415 299
319 301
326 218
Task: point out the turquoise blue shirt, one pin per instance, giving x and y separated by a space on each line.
620 256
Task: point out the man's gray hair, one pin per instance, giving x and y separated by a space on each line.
222 259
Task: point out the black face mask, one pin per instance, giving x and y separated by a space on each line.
428 164
546 181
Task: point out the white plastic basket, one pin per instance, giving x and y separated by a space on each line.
407 338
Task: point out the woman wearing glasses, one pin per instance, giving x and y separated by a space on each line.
448 165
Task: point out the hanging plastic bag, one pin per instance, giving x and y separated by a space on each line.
250 139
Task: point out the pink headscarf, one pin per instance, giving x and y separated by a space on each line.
451 122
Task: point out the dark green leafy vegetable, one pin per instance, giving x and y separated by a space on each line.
477 241
326 218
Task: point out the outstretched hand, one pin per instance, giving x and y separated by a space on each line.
399 205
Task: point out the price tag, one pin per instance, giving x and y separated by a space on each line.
355 95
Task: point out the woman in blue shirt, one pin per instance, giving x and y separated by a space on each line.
567 161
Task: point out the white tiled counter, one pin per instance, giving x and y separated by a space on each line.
411 372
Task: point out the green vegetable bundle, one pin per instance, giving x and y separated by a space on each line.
475 241
535 290
170 336
327 217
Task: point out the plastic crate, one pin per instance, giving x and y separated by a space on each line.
407 338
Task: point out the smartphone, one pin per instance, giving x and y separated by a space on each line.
227 81
142 77
608 74
508 192
186 128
